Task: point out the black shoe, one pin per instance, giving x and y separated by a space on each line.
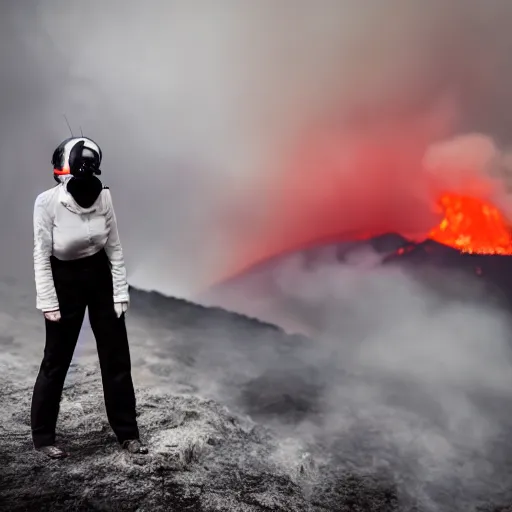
53 452
134 446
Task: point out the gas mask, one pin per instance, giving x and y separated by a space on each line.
76 163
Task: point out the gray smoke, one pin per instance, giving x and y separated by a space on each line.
197 105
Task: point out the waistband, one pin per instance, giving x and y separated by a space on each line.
97 258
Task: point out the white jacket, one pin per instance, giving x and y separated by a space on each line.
67 231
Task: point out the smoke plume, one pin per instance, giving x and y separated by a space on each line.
202 109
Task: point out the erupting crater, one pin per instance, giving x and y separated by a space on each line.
472 226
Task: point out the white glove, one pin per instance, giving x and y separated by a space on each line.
52 316
120 308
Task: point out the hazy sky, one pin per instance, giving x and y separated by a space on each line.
196 105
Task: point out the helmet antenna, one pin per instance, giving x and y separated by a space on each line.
67 122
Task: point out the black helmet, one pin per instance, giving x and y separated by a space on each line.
77 156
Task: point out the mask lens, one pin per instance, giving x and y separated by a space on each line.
90 162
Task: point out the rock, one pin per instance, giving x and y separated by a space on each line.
201 458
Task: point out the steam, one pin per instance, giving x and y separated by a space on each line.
406 377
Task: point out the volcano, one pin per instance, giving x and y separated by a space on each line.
467 257
473 238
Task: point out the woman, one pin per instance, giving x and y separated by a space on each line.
78 263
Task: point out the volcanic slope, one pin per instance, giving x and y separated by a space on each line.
288 455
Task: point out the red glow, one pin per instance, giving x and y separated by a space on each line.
338 187
363 184
472 226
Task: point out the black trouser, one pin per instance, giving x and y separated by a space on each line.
82 283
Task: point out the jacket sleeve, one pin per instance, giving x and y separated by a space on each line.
114 252
43 245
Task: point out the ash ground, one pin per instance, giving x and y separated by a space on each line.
240 416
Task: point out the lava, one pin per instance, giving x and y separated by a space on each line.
472 226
